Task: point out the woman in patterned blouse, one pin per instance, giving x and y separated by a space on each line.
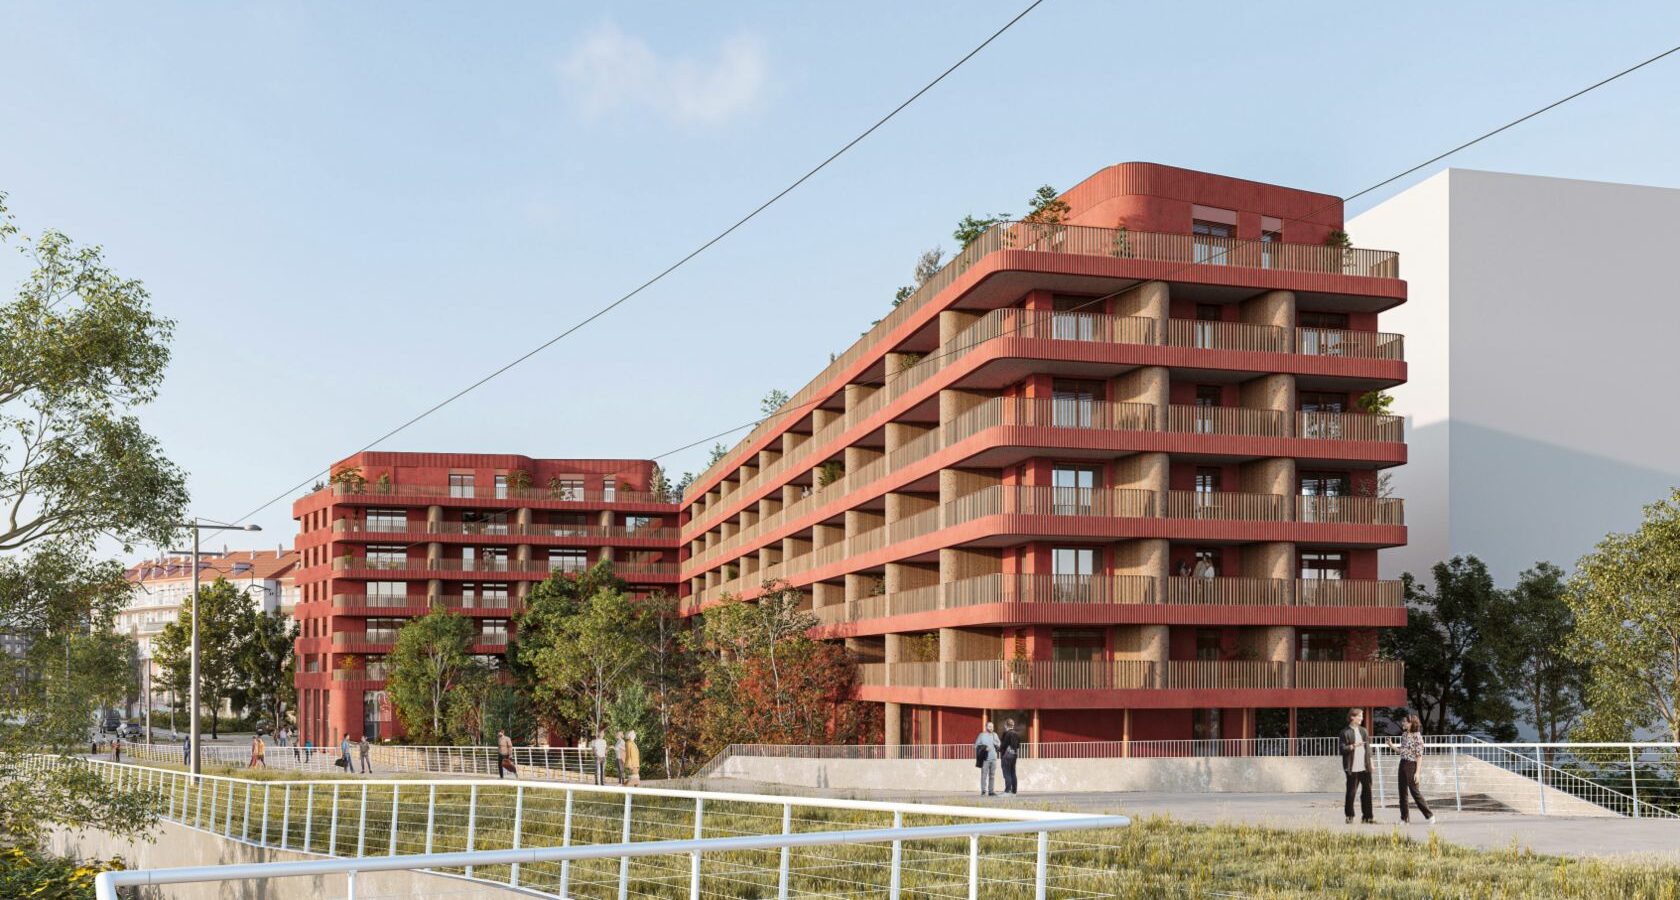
1411 752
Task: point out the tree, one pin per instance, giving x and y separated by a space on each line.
766 681
548 605
1537 625
1625 597
971 229
927 266
430 661
718 451
772 402
266 665
670 674
61 606
80 349
682 484
583 661
222 609
659 485
1451 646
1046 207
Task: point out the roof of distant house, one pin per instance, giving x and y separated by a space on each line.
235 565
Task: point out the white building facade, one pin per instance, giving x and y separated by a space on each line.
1541 331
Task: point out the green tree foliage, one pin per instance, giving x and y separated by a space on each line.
773 401
224 612
429 662
80 349
718 451
682 484
266 666
549 604
659 485
766 681
669 674
583 661
1535 630
1376 403
1451 645
971 228
1625 597
1046 207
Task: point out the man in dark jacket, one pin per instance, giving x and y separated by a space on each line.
1356 765
1011 751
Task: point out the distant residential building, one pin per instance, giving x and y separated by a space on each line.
1540 330
161 587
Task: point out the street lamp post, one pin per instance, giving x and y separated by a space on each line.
192 699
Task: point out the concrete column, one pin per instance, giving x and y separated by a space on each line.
892 720
957 563
522 520
1149 558
826 593
902 433
1273 643
434 553
1146 472
1148 385
859 521
895 653
898 362
909 576
768 457
902 506
826 535
1273 308
434 590
434 516
1150 300
860 585
953 403
858 394
793 547
953 322
1148 643
791 440
1274 475
858 457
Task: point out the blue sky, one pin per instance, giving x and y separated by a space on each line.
353 210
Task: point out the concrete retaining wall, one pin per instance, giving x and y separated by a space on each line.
1246 774
177 845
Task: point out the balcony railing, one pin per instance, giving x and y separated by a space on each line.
377 491
1000 323
503 529
1108 503
1095 415
1237 420
454 601
1112 590
1085 241
495 566
1109 675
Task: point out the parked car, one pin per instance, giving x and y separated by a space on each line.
132 732
113 721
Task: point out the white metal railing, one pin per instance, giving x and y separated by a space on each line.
533 763
1304 746
515 834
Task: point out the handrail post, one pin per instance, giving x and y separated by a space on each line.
285 816
1376 773
245 822
472 821
974 867
897 872
308 815
332 826
227 816
1458 788
431 815
1633 778
694 858
782 874
1540 778
518 819
350 885
361 826
1041 875
264 841
395 809
624 861
566 841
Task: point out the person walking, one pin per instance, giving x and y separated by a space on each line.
116 749
504 754
1356 765
258 751
985 758
344 753
186 752
618 755
1009 750
632 759
308 751
362 750
599 745
1411 753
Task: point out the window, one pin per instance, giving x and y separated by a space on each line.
1323 565
1210 643
486 595
633 524
1072 403
1322 493
501 487
570 524
1322 333
384 556
1071 488
1268 248
1206 333
1211 241
1071 569
387 520
383 631
1321 414
473 522
1207 480
1208 398
1323 646
568 489
1076 645
461 485
609 489
493 631
387 593
568 560
1068 325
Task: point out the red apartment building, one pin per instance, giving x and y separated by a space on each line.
1107 476
472 532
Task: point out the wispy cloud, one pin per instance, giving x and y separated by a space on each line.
612 72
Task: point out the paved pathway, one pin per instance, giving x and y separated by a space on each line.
1656 839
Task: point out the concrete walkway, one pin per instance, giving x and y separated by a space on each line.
1628 839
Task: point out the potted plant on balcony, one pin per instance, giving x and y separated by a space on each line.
1122 248
1020 668
556 486
349 480
830 472
383 485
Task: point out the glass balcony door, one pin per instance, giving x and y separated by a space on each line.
1072 489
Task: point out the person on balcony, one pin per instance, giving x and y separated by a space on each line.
1356 765
1411 753
1009 750
986 758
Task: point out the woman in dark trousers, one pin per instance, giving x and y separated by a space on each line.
1411 752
